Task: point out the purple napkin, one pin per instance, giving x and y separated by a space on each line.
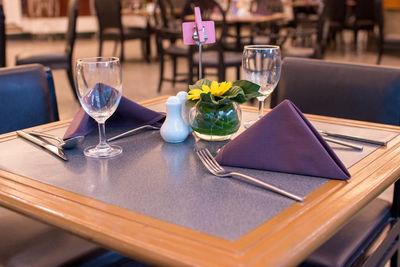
284 141
128 114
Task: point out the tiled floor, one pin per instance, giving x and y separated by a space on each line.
141 78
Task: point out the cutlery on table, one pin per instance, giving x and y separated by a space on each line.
353 137
52 148
65 144
360 148
150 127
213 166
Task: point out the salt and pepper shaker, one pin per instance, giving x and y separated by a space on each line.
182 95
174 129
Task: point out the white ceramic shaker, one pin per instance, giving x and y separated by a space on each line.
182 95
174 129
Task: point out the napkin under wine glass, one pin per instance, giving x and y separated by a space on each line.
128 114
284 141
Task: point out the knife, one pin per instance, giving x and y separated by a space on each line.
354 138
52 148
360 148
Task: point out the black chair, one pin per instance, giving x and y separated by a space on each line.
168 32
364 17
315 40
360 92
2 38
109 19
215 56
27 99
387 41
58 60
336 12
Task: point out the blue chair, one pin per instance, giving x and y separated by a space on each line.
360 92
27 99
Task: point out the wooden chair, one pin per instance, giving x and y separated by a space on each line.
109 18
28 99
58 60
387 41
214 56
168 33
360 92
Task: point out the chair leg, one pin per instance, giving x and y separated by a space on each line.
121 57
148 49
221 74
355 38
115 47
72 82
100 46
379 57
174 59
237 72
161 73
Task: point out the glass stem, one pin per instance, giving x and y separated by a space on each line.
260 108
102 136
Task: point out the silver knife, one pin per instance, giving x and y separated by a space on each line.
360 148
354 138
52 148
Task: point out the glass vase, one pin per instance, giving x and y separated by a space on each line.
215 122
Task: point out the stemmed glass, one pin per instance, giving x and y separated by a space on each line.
262 65
99 89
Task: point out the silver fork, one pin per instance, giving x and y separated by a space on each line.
213 166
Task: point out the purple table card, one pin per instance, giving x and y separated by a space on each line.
284 141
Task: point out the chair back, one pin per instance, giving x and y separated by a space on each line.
71 30
365 10
336 11
27 97
108 14
164 14
2 38
361 92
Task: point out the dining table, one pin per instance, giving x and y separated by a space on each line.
157 203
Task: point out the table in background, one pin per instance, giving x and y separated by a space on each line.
284 240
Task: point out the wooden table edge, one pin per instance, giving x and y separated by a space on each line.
19 193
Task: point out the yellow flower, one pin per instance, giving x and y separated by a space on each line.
223 88
194 94
216 90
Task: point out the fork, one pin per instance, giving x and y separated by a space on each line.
213 166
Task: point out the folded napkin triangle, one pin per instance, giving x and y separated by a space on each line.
284 141
128 114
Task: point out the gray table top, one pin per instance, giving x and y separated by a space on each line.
167 181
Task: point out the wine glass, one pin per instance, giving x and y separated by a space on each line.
99 89
262 65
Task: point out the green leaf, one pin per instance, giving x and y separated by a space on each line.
250 89
199 83
236 94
